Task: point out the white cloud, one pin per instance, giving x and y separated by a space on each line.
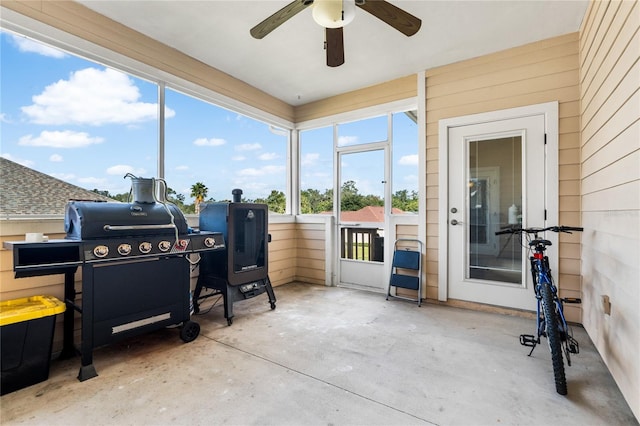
347 140
56 158
263 171
60 139
67 177
268 156
248 147
238 158
408 160
123 169
26 163
209 142
3 118
27 45
309 159
92 97
182 168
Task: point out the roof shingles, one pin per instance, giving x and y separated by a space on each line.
24 191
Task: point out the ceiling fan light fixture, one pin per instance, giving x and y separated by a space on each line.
333 13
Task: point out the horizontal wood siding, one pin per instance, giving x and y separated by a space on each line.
311 257
401 88
535 73
51 285
610 180
282 252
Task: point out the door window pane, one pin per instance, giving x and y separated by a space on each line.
494 200
362 206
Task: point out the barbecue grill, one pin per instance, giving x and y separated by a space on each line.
242 271
135 259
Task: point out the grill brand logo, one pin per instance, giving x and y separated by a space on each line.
138 213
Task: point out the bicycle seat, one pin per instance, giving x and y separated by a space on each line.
542 242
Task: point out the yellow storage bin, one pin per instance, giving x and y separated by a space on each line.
26 337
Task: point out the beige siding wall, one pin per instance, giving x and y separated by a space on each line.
540 72
311 259
394 90
282 253
80 21
52 285
610 178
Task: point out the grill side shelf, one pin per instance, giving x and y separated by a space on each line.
44 258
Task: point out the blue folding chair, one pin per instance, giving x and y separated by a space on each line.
406 268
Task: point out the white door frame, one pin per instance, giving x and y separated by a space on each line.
358 268
550 112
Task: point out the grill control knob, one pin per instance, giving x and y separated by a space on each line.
164 246
101 251
145 247
124 249
209 242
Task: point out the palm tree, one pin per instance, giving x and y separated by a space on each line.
199 192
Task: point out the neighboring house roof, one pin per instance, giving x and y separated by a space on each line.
24 191
366 214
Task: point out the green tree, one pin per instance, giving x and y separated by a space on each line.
276 201
313 201
124 197
199 192
405 201
351 200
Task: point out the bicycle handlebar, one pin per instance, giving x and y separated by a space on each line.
566 229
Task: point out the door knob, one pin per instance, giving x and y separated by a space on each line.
455 222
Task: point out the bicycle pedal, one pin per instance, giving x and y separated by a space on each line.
528 340
571 300
573 346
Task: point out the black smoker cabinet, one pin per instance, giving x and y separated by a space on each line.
242 271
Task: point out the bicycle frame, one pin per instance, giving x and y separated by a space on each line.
542 276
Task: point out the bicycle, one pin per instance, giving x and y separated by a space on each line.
550 322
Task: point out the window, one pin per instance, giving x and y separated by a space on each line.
90 125
223 150
368 130
405 163
74 119
316 170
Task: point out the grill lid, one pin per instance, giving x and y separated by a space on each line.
87 220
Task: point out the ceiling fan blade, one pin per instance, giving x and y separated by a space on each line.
279 18
402 21
335 46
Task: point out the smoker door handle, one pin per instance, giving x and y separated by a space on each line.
134 227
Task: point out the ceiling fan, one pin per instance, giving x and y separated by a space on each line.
333 15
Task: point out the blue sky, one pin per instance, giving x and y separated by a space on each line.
90 125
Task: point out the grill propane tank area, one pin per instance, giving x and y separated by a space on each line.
136 260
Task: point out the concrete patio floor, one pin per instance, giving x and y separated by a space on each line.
328 356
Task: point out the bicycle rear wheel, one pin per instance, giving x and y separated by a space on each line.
553 336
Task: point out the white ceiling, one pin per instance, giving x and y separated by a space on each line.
289 63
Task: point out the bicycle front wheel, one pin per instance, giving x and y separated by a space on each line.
553 336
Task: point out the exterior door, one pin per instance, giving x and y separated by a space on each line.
361 227
496 178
